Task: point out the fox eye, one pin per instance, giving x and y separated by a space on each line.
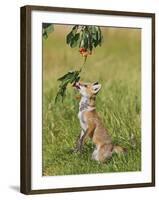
85 85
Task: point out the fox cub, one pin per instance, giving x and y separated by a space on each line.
91 124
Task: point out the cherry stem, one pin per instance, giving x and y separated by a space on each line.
85 59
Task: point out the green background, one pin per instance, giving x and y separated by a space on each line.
117 66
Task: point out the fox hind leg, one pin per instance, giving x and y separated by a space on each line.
102 153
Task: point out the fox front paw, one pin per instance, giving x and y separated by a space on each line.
76 150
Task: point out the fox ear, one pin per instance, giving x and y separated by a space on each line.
96 88
95 83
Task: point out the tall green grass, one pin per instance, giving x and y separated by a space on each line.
116 65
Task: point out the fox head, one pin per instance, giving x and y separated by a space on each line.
87 89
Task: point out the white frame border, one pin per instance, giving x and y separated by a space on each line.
39 182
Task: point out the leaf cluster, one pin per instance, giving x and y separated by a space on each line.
70 78
87 37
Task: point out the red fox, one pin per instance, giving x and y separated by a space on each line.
91 124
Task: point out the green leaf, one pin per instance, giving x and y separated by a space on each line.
69 78
50 28
45 36
85 40
92 29
69 38
97 38
74 30
81 40
94 37
47 29
75 40
72 36
77 36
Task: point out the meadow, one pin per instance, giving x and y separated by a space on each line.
116 65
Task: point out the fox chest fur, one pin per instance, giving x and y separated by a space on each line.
83 109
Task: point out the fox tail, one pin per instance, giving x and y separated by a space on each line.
119 149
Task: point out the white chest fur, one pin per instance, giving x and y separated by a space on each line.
83 122
83 106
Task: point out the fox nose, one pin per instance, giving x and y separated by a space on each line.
76 85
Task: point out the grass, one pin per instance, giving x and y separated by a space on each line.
116 65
